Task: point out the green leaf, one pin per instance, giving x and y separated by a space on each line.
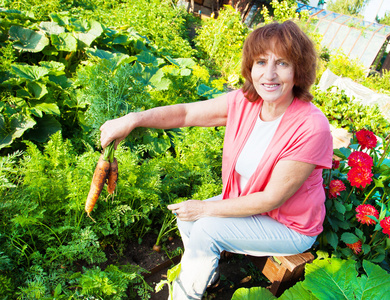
181 62
159 82
253 293
376 285
331 278
173 272
297 292
185 72
366 248
27 39
147 58
86 39
359 233
349 238
333 239
65 41
339 206
45 127
54 67
44 107
343 153
18 125
37 89
51 28
208 92
159 286
57 290
29 72
115 58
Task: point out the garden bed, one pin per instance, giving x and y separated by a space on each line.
236 271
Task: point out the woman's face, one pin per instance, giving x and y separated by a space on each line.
273 78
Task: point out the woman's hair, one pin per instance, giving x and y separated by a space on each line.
288 41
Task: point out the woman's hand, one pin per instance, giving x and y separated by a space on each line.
189 210
116 129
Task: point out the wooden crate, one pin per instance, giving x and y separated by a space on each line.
282 270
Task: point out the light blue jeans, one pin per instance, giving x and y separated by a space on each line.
206 238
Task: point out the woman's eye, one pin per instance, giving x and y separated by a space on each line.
283 63
261 62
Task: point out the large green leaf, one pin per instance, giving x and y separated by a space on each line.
208 92
254 293
37 89
376 285
29 72
62 20
349 238
297 292
181 62
18 125
159 82
148 58
54 67
45 127
51 28
64 41
343 153
331 278
27 39
87 38
42 107
115 58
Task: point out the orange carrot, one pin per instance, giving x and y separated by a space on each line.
112 176
98 180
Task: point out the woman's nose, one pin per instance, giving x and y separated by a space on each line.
270 71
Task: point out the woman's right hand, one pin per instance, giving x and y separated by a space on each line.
115 129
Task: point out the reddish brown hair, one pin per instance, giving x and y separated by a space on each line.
288 41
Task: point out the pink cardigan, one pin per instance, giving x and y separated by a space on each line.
303 135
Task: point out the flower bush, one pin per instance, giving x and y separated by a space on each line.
357 223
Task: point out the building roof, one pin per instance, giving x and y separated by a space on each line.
357 38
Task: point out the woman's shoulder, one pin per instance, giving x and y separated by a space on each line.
310 116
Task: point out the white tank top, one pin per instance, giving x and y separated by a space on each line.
254 149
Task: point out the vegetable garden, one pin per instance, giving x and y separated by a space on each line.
68 66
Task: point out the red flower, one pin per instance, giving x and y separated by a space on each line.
360 159
365 210
359 176
335 187
335 164
366 139
356 247
385 224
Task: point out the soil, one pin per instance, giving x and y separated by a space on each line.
236 270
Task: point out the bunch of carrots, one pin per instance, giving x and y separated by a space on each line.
106 171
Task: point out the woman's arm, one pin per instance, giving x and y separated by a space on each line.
203 113
287 177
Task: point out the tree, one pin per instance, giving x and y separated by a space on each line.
385 20
347 7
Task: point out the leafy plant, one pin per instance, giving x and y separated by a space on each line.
220 42
358 211
114 282
330 278
171 276
342 112
167 226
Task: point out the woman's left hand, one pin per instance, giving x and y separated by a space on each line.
189 210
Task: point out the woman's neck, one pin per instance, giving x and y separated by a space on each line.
271 111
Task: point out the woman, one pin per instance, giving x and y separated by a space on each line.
276 145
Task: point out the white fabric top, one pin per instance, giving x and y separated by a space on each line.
254 149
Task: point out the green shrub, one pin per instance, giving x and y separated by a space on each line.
220 42
343 112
